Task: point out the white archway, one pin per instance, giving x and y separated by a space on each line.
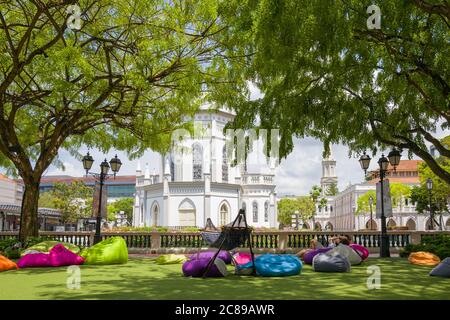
155 213
371 224
224 213
447 224
411 224
187 213
329 226
391 224
317 227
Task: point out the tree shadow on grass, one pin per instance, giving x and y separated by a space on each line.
143 279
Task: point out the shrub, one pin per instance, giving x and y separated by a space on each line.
437 244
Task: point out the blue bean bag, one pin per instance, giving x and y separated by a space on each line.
324 262
272 265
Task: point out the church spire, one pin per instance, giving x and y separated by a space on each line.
328 172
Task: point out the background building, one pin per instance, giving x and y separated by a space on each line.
11 192
196 182
117 188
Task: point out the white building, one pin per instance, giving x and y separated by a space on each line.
324 215
344 205
196 181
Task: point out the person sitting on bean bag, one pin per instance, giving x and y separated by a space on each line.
423 258
6 264
313 245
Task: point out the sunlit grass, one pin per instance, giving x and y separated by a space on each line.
141 278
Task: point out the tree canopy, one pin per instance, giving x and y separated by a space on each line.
324 73
73 200
287 207
399 192
125 77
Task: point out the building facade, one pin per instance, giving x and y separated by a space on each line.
196 181
404 215
11 193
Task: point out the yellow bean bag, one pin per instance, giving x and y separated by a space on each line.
6 264
171 259
423 258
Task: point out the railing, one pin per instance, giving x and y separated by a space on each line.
278 240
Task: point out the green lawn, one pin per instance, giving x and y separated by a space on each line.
141 278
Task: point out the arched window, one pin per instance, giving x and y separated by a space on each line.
266 211
197 162
223 215
255 211
224 164
244 206
155 215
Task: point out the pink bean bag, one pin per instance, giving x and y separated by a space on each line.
309 256
34 260
242 258
60 256
362 251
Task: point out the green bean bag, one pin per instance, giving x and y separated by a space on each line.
46 246
109 251
171 259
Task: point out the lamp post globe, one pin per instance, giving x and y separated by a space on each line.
364 161
394 157
383 162
429 184
87 162
115 164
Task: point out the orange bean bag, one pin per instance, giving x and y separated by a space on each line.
423 258
6 264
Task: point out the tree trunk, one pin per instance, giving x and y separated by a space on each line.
29 222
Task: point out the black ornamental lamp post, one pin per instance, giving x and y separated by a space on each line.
430 188
115 165
394 159
371 212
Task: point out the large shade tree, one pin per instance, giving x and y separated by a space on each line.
325 74
124 77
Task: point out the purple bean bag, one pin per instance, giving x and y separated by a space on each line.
34 260
196 268
309 256
362 251
60 256
223 254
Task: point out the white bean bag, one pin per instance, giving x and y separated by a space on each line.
353 257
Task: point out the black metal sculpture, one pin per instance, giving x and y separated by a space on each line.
233 235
